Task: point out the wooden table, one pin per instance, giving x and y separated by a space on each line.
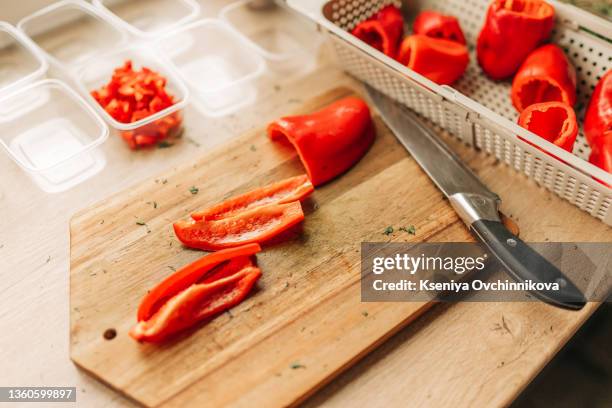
468 354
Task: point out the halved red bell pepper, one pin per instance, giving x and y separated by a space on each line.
257 224
329 141
382 31
553 121
442 61
545 76
433 24
200 290
598 123
282 192
512 29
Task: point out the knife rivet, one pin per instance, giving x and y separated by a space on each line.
562 282
511 242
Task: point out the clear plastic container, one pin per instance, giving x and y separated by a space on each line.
54 137
147 19
284 38
98 72
217 63
71 32
20 62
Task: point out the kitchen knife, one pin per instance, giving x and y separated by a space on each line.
474 203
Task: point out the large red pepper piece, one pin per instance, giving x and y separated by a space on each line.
598 123
254 225
282 192
545 76
329 141
438 25
553 121
200 290
512 29
382 31
442 61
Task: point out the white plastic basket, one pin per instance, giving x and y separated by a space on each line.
478 110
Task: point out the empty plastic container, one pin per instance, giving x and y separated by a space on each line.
71 31
149 18
97 73
285 39
218 64
54 136
20 62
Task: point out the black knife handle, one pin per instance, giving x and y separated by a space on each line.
523 263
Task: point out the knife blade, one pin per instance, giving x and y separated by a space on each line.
475 204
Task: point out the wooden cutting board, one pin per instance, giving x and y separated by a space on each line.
303 324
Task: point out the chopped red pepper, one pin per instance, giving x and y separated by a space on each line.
442 61
598 123
329 141
382 31
200 290
438 25
257 224
134 95
282 192
546 75
553 121
512 29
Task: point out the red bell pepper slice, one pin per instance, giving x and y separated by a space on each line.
282 192
512 29
438 25
598 123
382 31
442 61
553 121
202 289
329 141
258 224
546 75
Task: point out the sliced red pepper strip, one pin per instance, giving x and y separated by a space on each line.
190 274
545 76
282 192
438 25
442 61
512 29
195 303
553 121
329 141
382 31
258 224
598 123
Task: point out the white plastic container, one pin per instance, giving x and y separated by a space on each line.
284 38
476 109
218 65
147 19
54 137
98 72
70 32
20 62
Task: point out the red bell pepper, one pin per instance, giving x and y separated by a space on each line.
512 29
329 141
442 61
257 224
598 123
200 290
438 25
553 121
382 31
546 75
134 95
282 192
